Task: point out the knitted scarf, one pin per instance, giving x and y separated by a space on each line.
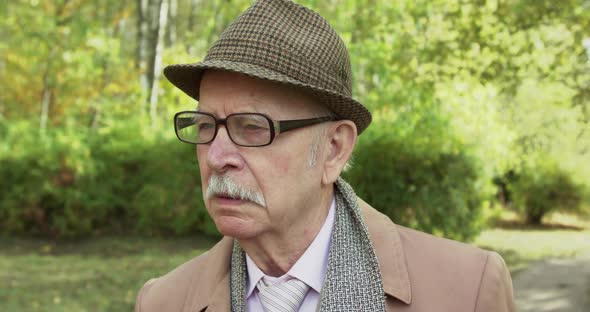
353 280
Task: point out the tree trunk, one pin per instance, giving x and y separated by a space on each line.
172 16
150 16
157 67
192 16
155 7
47 93
2 66
220 22
45 101
48 76
534 218
142 42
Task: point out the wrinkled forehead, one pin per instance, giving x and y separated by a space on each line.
223 93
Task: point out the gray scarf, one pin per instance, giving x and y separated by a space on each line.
353 280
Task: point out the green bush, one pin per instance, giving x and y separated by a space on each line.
77 182
546 188
417 173
124 177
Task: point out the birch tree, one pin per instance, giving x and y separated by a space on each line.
157 61
142 41
172 26
152 24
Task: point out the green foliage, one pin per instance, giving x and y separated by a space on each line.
511 79
461 91
424 178
77 182
546 188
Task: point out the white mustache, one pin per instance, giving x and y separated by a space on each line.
225 186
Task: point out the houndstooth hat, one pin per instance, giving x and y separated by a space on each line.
282 41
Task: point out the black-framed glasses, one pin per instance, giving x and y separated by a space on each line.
244 129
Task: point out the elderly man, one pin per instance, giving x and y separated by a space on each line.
275 126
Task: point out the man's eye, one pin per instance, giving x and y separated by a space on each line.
205 126
254 127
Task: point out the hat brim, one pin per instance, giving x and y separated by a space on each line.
187 77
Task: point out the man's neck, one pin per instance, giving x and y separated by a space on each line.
276 252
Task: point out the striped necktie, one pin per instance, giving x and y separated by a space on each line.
282 297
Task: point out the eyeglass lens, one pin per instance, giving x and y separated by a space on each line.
243 129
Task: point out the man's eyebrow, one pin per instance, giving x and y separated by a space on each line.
251 109
254 108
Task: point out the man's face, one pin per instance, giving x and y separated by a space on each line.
280 172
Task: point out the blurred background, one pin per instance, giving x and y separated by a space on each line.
481 133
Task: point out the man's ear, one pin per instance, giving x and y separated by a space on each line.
341 136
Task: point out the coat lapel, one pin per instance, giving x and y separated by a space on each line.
220 300
210 291
390 253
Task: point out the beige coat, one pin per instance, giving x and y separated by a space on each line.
420 273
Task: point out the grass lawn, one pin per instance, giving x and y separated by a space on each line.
96 275
561 236
520 247
105 274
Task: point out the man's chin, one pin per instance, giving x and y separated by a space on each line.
235 227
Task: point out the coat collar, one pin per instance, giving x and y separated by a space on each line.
211 290
388 247
210 287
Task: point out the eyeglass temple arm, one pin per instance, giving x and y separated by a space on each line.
287 125
184 122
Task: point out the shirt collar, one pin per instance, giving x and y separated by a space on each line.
310 268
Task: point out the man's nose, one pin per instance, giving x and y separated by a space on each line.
223 154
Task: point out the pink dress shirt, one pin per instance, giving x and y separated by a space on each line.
310 269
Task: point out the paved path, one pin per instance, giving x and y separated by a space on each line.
558 285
